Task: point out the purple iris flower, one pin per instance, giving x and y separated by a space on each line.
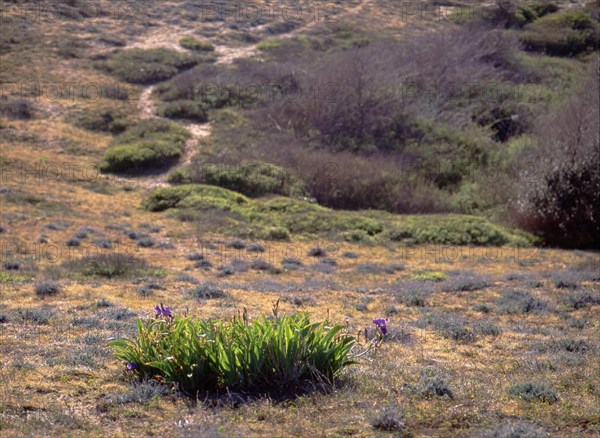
381 324
131 366
163 311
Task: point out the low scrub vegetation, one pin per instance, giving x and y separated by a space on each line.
251 179
261 217
185 110
107 119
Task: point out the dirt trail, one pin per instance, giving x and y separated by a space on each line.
168 37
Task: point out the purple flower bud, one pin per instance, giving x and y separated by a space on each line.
131 366
381 324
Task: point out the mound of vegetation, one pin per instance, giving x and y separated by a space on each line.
183 109
251 179
566 33
103 119
140 66
394 125
515 14
264 217
149 144
269 353
196 45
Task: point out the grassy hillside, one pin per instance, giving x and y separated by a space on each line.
355 218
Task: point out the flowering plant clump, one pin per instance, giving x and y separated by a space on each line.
209 354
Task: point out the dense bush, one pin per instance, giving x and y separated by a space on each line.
149 66
268 353
566 33
183 109
251 179
559 185
149 144
104 119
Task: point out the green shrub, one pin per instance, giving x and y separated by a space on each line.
251 179
105 119
566 33
183 109
140 66
534 391
149 144
184 196
267 353
196 45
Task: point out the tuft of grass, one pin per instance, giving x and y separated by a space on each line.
38 316
449 326
570 345
520 301
413 293
580 299
431 384
429 276
106 265
7 278
534 391
466 282
47 288
317 252
208 291
388 419
196 45
142 393
515 430
299 300
482 308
